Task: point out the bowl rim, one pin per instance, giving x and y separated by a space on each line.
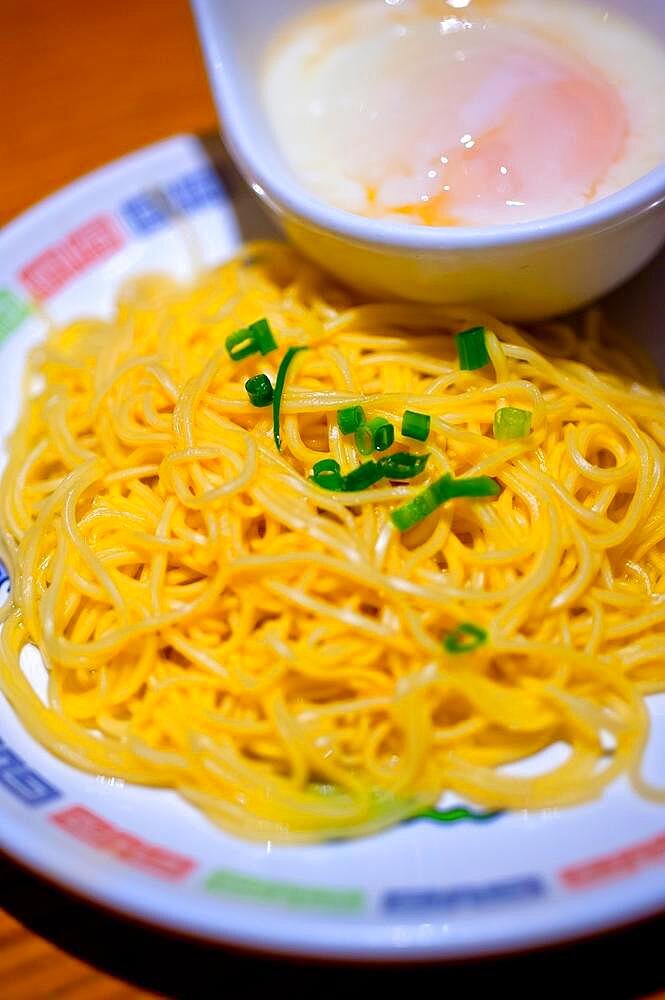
272 181
275 186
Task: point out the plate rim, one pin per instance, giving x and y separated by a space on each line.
264 951
29 847
510 945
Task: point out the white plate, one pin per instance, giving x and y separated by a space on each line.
425 889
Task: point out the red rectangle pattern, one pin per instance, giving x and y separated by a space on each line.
99 833
617 865
52 269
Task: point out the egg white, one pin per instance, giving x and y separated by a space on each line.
345 89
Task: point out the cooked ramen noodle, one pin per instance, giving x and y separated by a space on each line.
475 574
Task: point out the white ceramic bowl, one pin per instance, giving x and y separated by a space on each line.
522 271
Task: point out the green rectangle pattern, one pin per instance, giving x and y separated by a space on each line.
13 311
301 897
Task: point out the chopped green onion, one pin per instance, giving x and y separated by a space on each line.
376 435
325 465
437 493
241 344
259 390
263 336
384 436
415 425
414 511
279 391
511 422
350 419
448 488
253 339
403 465
363 477
472 348
465 638
365 439
327 474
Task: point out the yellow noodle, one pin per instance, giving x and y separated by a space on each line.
213 622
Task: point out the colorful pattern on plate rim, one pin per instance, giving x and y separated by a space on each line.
95 240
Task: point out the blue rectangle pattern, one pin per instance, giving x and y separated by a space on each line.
17 778
195 190
464 897
146 212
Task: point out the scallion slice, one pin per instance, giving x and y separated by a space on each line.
263 335
376 435
253 339
466 486
408 514
384 436
472 348
363 477
415 425
350 419
279 392
259 390
403 465
465 638
240 344
511 422
437 493
327 474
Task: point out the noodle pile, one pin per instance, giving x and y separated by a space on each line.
214 622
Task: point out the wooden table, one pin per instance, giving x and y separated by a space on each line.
83 82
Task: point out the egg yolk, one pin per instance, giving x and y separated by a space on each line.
535 135
453 119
